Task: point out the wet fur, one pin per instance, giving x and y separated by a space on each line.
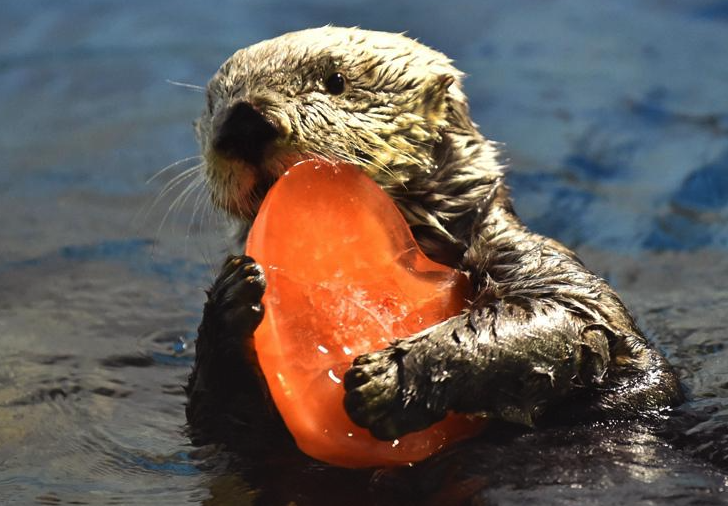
543 338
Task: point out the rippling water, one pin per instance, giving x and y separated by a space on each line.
615 117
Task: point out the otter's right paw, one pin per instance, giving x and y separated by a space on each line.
234 301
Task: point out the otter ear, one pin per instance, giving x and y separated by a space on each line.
435 99
444 81
437 89
438 86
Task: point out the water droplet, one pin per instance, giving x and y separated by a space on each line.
179 346
333 377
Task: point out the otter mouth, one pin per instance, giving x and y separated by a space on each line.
243 158
238 188
259 191
248 151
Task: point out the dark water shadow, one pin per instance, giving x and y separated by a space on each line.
602 463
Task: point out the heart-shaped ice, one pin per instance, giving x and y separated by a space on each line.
345 277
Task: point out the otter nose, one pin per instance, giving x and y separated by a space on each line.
241 132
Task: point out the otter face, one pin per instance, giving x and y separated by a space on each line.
374 99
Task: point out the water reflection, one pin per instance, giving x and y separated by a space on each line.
556 465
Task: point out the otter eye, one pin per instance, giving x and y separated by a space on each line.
335 83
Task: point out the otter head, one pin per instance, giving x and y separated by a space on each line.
377 100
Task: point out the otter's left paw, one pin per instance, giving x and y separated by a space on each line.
375 396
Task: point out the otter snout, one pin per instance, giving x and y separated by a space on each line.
241 132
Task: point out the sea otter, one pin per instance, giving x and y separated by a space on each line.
543 336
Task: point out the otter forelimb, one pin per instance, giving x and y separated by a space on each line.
227 395
542 329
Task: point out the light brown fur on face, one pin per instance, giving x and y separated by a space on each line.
400 99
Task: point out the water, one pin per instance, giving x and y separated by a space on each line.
615 116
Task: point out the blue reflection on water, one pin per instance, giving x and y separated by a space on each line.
717 11
706 188
178 464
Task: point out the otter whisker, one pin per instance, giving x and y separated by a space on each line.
143 214
178 202
179 178
173 183
201 192
209 210
187 192
353 158
229 195
171 166
194 87
199 188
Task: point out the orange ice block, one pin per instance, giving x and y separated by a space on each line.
345 277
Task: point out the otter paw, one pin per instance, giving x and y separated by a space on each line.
235 297
374 397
